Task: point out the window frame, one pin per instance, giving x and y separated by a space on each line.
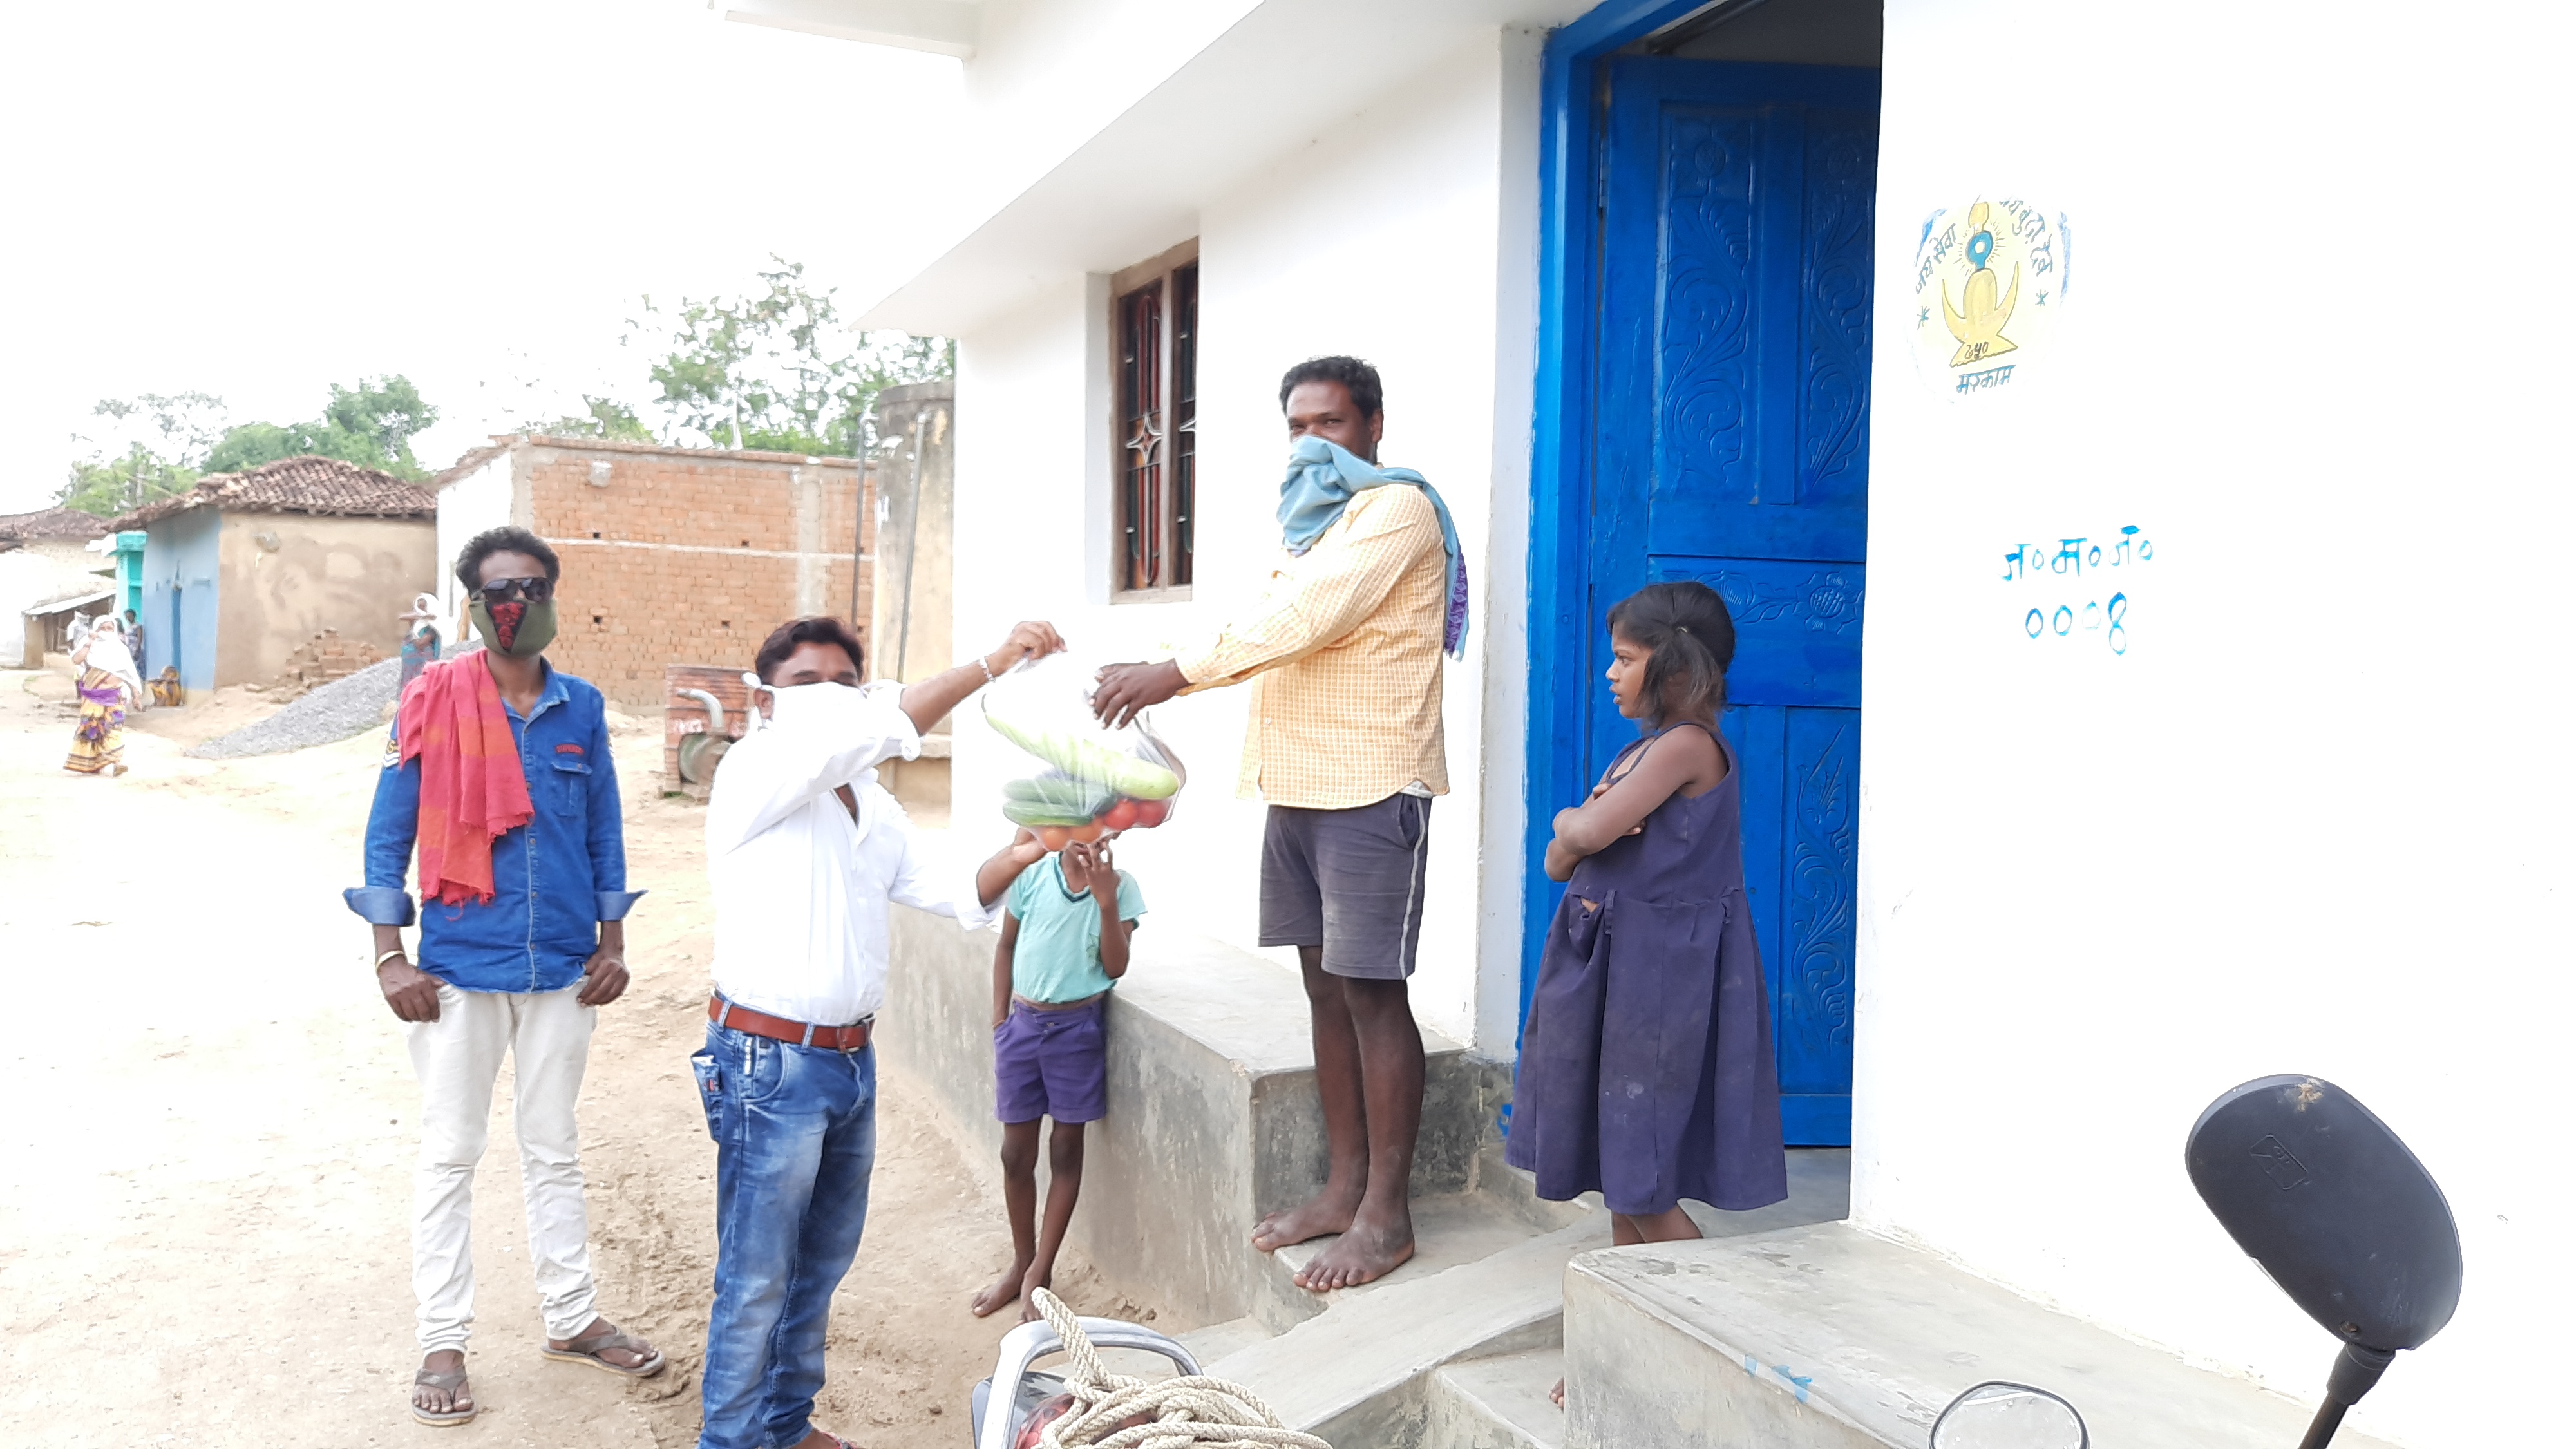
1173 426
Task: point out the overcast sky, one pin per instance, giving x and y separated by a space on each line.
259 198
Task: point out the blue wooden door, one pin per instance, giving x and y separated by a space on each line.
1732 447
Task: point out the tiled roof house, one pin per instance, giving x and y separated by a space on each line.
245 567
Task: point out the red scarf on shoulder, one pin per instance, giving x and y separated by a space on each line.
472 790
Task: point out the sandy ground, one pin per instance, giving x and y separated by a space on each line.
205 1181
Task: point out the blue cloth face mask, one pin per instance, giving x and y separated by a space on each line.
1323 477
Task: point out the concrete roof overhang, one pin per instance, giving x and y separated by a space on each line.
1283 74
941 27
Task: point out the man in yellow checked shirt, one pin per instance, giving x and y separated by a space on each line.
1344 657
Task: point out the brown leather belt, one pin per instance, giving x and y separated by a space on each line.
778 1028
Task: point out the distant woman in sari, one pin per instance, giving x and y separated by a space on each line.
109 682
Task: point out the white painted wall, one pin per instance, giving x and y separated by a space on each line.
2315 819
40 573
1378 239
484 498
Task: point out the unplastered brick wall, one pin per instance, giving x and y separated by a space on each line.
691 556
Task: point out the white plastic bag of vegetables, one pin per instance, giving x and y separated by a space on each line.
1085 779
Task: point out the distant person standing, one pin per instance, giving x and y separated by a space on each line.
109 684
133 636
420 646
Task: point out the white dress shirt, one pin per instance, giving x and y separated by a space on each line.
801 889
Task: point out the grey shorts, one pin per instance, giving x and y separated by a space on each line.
1349 881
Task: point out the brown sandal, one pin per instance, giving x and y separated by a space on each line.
588 1350
451 1380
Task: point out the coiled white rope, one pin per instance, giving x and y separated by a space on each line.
1194 1412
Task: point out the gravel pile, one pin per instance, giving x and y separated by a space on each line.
332 713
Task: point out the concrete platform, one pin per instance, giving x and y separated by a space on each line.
1213 1116
1359 1373
1497 1403
1823 1337
1448 1231
1391 1364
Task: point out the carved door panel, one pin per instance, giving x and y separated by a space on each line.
1733 448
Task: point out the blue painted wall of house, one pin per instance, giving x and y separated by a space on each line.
129 570
179 577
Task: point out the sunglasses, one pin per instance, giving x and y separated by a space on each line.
502 591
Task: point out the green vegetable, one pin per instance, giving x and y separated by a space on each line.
1062 794
1089 760
1038 817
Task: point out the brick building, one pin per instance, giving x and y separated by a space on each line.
670 555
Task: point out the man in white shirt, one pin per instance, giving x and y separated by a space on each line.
806 851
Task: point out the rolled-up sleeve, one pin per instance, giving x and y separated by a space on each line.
392 821
607 840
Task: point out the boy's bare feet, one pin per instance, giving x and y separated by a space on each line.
1040 1276
440 1392
1004 1289
1326 1213
1367 1252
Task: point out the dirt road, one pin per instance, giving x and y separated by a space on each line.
205 1174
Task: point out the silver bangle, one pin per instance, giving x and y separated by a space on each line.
984 663
389 955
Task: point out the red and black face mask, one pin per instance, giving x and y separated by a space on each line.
515 616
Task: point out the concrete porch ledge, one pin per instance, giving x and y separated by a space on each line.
1213 1116
1825 1337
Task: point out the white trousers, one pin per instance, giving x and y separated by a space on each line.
457 1057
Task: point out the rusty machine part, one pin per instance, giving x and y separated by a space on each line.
699 753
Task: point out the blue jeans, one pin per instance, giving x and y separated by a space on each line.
796 1135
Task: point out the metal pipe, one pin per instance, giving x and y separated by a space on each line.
714 708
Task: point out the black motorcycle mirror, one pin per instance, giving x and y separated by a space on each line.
2340 1214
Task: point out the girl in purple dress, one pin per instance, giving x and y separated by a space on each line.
1646 1071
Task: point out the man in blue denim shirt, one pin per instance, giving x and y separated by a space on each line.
518 975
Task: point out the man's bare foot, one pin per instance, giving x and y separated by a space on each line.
440 1394
817 1439
1004 1289
1362 1255
1040 1276
1320 1216
1556 1395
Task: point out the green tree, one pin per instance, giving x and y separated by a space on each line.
371 425
778 370
166 438
601 418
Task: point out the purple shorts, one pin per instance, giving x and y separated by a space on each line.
1051 1064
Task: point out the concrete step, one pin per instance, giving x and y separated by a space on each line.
1824 1337
1217 1340
1359 1374
1497 1403
1448 1231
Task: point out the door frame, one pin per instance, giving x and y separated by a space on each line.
1569 240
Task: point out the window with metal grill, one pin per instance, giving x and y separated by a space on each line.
1154 324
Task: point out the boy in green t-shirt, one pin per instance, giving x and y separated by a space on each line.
1064 945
